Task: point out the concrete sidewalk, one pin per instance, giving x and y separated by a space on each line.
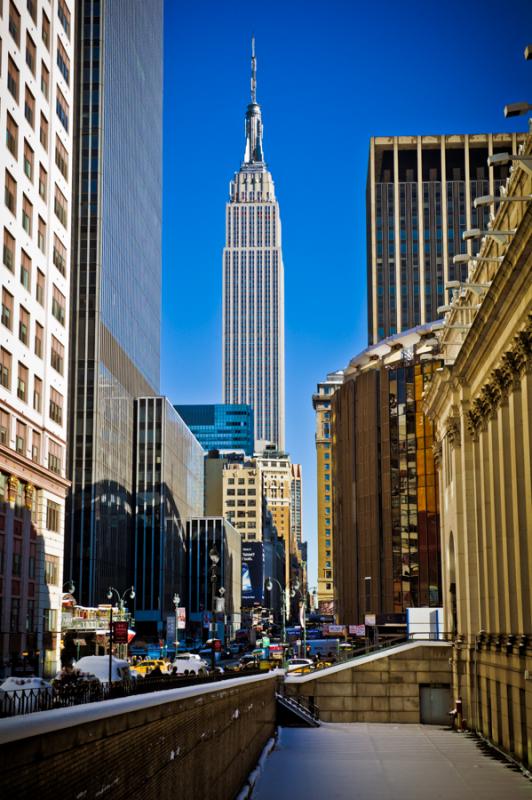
359 761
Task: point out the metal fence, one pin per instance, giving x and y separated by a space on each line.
74 693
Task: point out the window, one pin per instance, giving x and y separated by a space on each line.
20 439
12 78
4 428
60 206
41 235
61 158
7 309
28 161
16 562
51 570
57 355
58 305
43 134
55 457
27 215
59 256
63 62
62 110
36 447
39 331
14 22
39 287
64 16
9 250
45 30
52 516
14 620
45 80
29 107
11 193
22 382
37 394
31 5
24 325
30 53
56 407
12 135
5 368
50 617
43 181
25 270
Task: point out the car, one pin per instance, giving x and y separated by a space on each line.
24 695
300 665
148 665
189 664
99 667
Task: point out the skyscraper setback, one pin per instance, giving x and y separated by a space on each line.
253 288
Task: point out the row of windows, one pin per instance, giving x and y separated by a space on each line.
23 390
28 441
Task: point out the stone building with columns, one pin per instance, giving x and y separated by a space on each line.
480 402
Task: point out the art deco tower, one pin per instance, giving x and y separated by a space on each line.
253 288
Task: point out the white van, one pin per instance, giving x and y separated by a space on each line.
190 664
99 667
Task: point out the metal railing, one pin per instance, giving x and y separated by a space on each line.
64 695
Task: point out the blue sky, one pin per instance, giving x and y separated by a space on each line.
330 75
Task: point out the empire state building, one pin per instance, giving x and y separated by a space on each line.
253 288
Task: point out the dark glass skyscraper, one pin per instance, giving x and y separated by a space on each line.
116 278
420 199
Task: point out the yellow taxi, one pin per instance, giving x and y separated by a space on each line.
147 666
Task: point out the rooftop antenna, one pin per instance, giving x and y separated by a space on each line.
253 72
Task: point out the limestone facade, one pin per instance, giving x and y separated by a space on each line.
481 404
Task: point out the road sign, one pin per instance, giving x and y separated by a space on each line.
120 632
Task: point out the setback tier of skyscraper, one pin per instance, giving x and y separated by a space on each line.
253 289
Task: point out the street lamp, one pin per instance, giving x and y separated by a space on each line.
489 199
71 587
501 159
214 557
176 600
269 587
476 233
121 603
465 258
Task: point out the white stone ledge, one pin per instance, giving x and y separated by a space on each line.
42 722
356 662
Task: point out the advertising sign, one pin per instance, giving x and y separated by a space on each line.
170 629
252 573
120 632
370 619
336 629
326 607
357 630
181 619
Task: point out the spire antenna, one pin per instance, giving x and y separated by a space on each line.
253 72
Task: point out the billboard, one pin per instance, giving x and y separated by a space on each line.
252 573
326 607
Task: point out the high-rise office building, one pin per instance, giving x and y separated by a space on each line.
36 60
253 289
420 199
168 482
116 278
221 426
296 502
321 402
387 554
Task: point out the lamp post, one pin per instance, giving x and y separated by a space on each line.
214 557
176 600
121 603
269 586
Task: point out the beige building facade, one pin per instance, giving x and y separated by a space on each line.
321 402
36 118
481 406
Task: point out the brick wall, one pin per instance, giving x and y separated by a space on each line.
385 689
199 746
